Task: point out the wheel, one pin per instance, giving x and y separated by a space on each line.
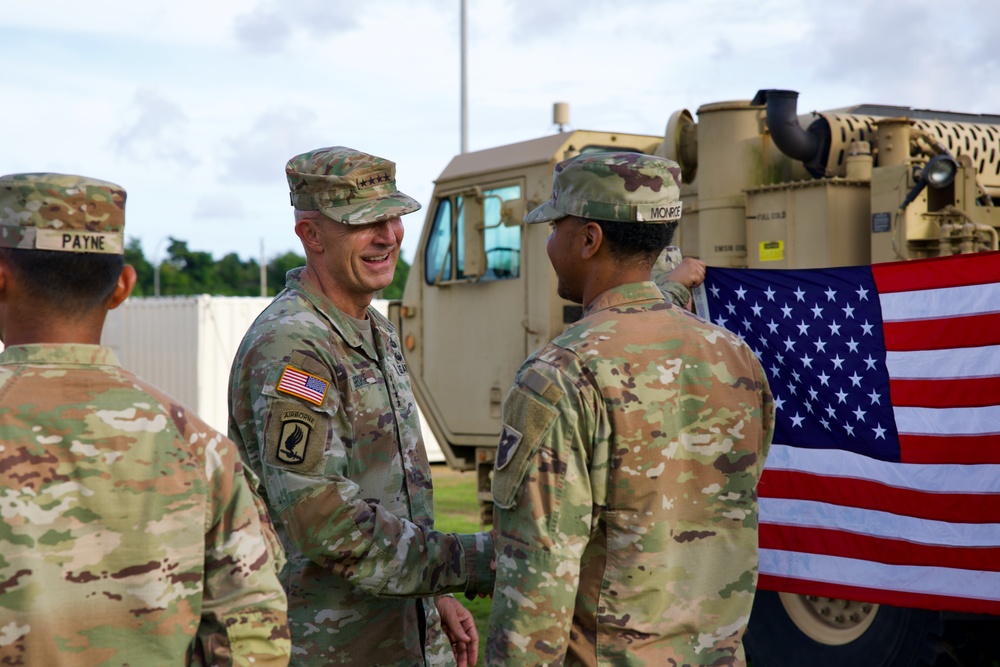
788 630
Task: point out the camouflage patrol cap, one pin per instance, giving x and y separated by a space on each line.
613 186
347 185
61 212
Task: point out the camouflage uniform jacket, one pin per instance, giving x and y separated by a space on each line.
348 484
625 491
125 524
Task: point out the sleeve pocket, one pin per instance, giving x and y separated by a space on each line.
527 421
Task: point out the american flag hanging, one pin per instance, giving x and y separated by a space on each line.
883 482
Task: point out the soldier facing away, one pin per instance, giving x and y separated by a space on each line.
128 533
321 406
626 472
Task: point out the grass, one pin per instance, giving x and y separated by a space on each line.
456 511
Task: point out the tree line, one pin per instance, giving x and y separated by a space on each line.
185 272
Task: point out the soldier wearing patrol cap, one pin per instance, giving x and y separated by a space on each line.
625 475
321 406
129 534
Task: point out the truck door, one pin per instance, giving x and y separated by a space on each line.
479 284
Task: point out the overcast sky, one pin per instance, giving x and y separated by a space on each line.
195 105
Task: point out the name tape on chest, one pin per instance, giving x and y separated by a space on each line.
296 382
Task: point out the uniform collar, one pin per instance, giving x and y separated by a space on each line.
337 318
68 354
624 294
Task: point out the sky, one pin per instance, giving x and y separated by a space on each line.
195 106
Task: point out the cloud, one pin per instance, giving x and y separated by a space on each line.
908 57
537 17
270 26
258 155
219 207
262 30
157 132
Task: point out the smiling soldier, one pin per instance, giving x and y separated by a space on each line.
321 405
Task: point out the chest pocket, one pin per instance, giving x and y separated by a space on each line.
527 420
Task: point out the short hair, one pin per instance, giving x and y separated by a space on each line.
635 241
73 283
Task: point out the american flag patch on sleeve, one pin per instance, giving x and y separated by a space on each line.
299 383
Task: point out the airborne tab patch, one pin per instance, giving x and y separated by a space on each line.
296 382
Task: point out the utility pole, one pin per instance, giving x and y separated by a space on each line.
263 269
156 267
464 104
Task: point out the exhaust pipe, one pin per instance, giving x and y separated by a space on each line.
807 146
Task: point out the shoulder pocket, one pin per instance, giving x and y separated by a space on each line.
527 421
297 422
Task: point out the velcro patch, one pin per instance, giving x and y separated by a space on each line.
363 379
527 421
509 440
296 382
542 386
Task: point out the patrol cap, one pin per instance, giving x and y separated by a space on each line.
61 212
347 185
613 186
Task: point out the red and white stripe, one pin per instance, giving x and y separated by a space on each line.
294 381
924 532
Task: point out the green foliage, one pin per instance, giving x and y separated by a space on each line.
395 290
143 268
184 271
278 267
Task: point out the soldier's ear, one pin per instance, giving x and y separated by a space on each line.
592 237
305 229
126 283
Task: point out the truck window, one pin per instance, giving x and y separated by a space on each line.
437 260
502 243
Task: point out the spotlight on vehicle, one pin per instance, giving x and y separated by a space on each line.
939 172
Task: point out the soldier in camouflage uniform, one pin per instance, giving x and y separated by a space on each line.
625 476
128 533
321 405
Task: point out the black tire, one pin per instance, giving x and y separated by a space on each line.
897 637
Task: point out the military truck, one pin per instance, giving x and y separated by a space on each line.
763 187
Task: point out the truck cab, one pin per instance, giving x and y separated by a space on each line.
481 294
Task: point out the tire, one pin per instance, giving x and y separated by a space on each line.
788 630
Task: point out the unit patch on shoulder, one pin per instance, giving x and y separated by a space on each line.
296 382
509 440
293 441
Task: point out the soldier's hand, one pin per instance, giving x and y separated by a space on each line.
460 627
690 272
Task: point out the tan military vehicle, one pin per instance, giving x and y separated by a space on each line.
763 188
